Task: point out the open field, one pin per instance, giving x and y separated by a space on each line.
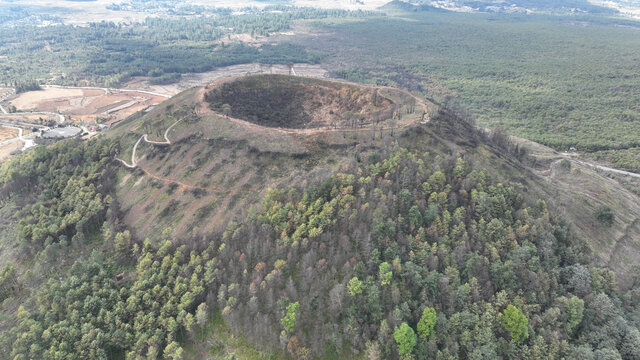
82 12
7 133
86 105
28 100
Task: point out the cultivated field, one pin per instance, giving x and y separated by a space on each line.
86 105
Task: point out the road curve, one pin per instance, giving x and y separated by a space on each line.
166 136
145 137
28 143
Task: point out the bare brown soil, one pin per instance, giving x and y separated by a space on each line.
86 105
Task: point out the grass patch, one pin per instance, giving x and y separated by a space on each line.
218 342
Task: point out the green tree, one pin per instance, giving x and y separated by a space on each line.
460 169
201 316
289 316
605 215
516 324
427 322
385 273
415 217
173 351
354 286
8 281
438 180
123 242
575 309
405 338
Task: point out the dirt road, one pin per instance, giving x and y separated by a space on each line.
606 168
108 89
166 141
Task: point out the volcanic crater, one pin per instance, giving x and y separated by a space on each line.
281 101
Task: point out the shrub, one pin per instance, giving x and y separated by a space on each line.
605 215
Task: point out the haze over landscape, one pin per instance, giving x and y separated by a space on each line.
339 179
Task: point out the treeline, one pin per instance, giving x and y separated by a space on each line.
626 159
24 86
165 79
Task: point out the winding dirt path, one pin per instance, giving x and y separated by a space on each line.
166 141
166 136
145 137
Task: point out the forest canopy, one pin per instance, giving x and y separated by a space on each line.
414 255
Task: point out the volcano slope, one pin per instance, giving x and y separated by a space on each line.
412 234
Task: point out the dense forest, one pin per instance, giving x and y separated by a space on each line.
404 254
415 255
109 53
563 81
